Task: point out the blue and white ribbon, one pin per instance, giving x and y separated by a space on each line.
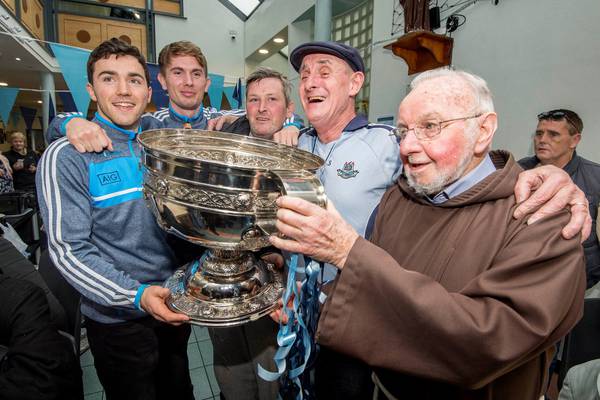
296 337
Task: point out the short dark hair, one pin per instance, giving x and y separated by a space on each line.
265 72
574 122
119 48
181 48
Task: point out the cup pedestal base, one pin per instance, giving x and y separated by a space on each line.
228 288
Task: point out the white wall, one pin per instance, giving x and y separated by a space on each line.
388 72
276 61
298 33
535 56
207 24
270 18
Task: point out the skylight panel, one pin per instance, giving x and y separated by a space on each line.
245 6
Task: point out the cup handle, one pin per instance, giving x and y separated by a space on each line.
302 184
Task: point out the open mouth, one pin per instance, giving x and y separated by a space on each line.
316 99
125 106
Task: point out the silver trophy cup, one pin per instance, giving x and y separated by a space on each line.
218 190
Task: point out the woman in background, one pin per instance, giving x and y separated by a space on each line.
23 163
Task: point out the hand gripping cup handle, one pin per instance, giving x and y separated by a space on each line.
301 184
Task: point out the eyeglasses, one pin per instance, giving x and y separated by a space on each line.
427 130
556 116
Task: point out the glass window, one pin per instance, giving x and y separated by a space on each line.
245 6
355 28
110 10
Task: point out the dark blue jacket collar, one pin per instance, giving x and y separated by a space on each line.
358 122
183 118
130 134
570 168
573 164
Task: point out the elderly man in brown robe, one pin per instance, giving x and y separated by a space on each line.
452 297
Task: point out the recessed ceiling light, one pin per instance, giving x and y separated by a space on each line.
3 84
278 40
39 102
17 58
263 51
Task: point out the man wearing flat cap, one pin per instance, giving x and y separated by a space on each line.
362 161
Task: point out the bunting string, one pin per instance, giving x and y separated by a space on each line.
72 61
228 78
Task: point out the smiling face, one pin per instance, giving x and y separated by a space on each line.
327 89
186 82
553 144
120 89
265 107
432 165
18 144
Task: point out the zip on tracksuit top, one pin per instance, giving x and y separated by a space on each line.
102 237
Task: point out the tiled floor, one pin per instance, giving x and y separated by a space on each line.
201 369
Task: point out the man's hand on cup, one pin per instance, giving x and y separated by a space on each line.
153 301
311 230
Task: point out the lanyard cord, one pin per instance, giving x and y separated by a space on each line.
328 154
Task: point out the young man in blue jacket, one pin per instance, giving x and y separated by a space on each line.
107 244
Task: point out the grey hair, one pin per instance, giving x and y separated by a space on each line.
482 96
265 72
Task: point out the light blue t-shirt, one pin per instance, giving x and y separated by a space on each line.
359 167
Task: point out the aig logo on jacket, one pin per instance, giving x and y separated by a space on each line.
109 177
115 181
347 171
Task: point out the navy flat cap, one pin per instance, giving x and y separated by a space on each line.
340 50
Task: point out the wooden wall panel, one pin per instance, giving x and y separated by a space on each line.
89 32
10 4
167 6
126 3
32 16
80 31
134 34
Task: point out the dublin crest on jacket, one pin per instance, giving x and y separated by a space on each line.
347 171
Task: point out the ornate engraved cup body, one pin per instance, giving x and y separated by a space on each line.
218 190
